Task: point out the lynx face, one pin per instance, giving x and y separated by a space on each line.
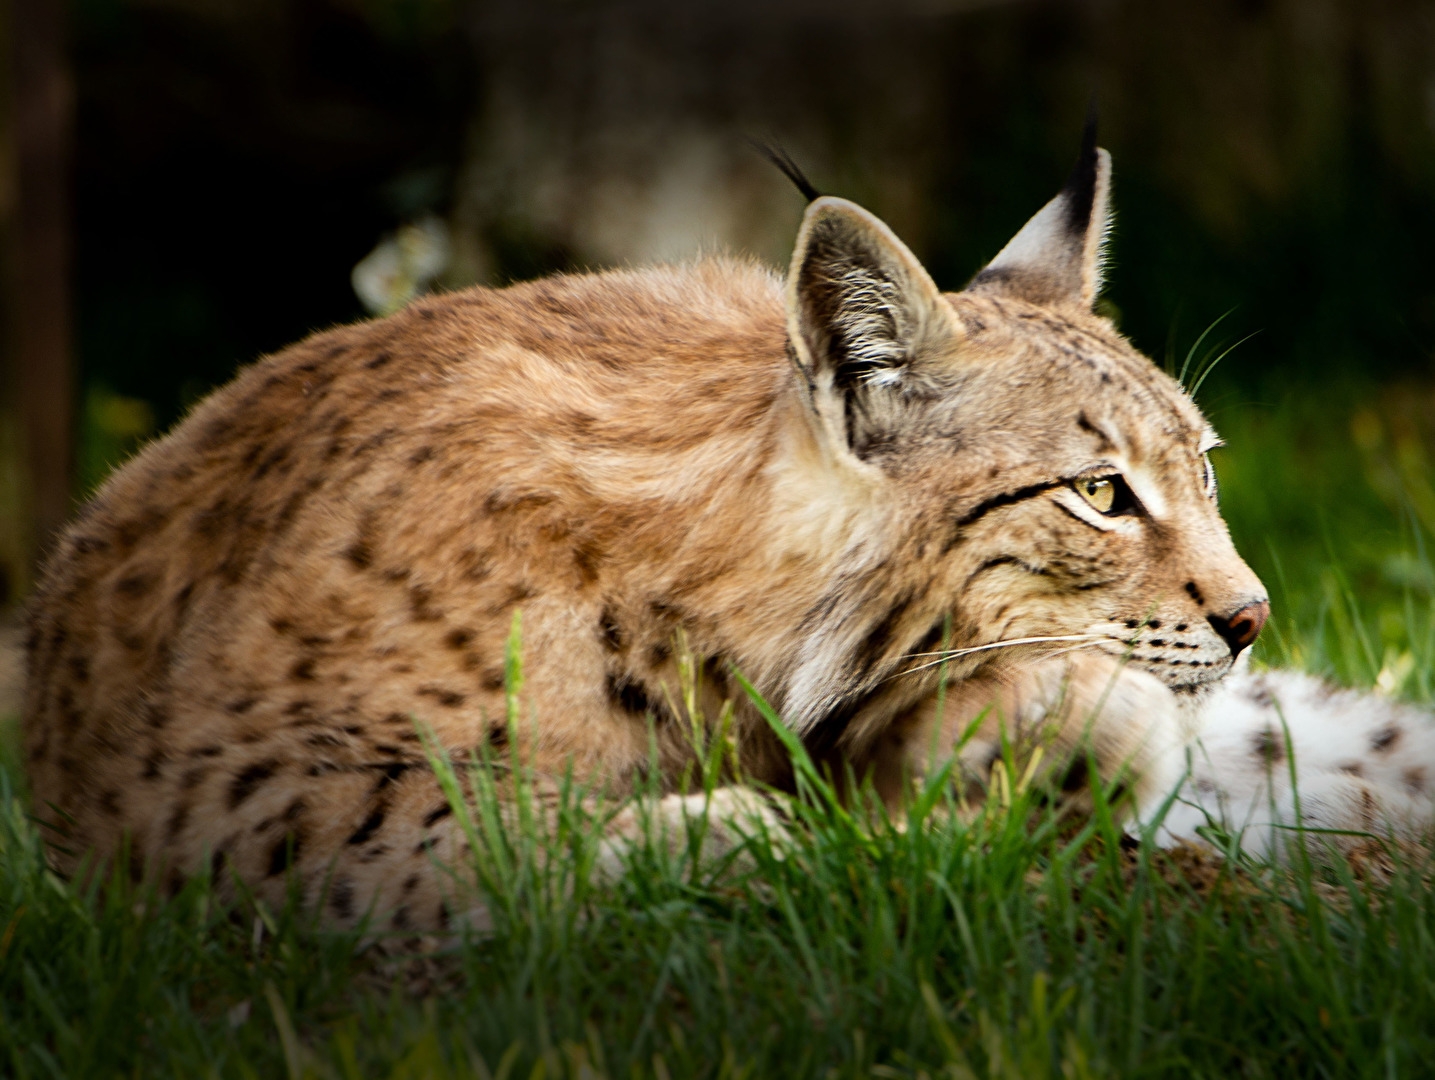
1105 522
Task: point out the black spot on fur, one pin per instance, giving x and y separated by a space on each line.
360 554
177 821
517 593
1195 593
391 772
1077 776
610 632
629 695
271 460
217 859
421 605
875 645
240 706
932 639
474 565
245 784
449 699
459 638
283 854
436 815
422 454
822 739
1259 694
1085 424
379 360
135 585
1268 747
498 737
371 825
341 898
1385 738
303 670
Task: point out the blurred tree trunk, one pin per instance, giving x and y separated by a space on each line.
38 278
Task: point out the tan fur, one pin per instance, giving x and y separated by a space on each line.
233 641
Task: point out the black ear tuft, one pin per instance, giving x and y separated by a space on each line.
780 157
1080 187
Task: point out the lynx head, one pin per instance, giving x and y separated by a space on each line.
1045 478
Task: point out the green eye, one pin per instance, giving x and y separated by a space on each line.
1101 494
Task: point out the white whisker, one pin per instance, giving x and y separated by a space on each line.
1068 649
954 654
949 653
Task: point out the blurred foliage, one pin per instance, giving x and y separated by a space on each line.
237 158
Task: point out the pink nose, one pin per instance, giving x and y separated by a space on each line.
1242 628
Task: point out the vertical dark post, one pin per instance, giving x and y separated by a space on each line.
40 347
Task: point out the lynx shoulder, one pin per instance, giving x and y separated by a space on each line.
815 480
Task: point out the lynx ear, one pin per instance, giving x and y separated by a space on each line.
862 315
1057 256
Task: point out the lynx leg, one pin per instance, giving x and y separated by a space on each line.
724 820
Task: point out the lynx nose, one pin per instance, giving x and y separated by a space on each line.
1241 628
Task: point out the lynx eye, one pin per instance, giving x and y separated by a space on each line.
1100 492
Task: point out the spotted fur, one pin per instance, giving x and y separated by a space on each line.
819 482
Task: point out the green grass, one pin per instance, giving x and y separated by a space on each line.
1015 945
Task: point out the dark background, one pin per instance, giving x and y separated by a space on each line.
216 168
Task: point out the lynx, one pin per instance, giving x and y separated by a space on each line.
828 483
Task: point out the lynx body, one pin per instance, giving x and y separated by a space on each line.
815 481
